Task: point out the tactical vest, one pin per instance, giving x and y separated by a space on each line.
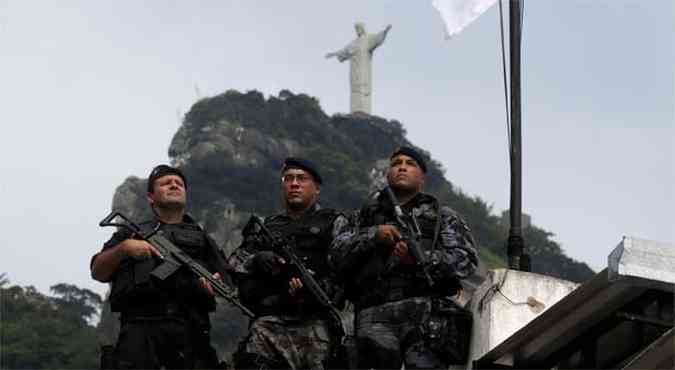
136 292
311 235
374 284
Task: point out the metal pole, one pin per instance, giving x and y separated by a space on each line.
515 243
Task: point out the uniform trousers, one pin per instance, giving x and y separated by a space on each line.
285 342
153 343
389 335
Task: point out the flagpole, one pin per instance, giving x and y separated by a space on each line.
517 260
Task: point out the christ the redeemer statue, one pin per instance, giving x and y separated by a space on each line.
360 54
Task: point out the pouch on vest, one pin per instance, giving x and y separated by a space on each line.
122 286
142 270
448 331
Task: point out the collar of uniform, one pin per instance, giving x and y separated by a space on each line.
315 207
421 198
418 199
187 219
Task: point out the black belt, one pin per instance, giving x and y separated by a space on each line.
168 310
398 288
391 290
389 296
295 309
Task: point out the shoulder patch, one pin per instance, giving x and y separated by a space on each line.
458 223
455 218
426 209
448 212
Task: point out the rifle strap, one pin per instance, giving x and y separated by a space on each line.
437 228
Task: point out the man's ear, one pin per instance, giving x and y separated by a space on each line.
151 199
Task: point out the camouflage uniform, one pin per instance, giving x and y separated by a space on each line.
288 332
398 314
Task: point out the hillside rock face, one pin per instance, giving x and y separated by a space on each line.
232 146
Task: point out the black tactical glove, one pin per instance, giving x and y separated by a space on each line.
268 262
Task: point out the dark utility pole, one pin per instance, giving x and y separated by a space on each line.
516 258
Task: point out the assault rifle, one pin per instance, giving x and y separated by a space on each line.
173 258
412 236
285 250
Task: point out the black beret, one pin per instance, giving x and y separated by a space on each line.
163 170
412 153
303 164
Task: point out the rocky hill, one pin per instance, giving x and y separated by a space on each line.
231 148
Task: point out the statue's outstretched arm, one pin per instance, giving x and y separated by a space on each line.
378 38
342 54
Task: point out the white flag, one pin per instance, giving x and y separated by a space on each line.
457 14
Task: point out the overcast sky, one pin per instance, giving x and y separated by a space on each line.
92 92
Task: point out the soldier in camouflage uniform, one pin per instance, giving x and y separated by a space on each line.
402 317
290 329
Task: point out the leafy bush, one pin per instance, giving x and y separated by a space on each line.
43 332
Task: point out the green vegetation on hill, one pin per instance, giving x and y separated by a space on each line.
232 146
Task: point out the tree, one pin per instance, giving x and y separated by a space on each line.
3 280
43 332
82 304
